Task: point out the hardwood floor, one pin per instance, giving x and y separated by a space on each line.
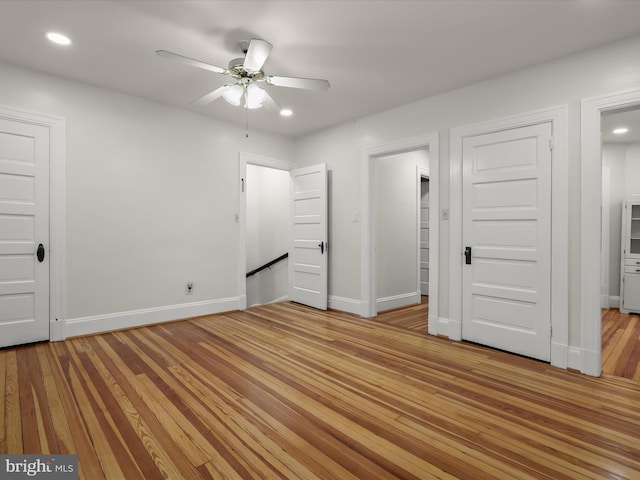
283 391
621 344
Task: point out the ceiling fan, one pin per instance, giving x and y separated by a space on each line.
247 77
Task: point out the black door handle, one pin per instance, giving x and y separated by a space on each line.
321 245
467 255
40 253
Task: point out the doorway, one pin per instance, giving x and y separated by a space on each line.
267 224
369 267
262 176
397 228
620 183
297 219
590 359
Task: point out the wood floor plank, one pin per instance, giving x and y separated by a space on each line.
4 355
12 435
287 392
70 419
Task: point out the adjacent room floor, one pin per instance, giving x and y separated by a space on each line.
621 344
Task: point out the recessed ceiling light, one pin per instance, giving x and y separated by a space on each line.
621 130
285 112
58 38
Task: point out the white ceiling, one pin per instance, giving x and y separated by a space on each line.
376 54
629 118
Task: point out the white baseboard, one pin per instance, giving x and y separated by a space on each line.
348 305
284 298
397 301
614 302
590 362
438 326
559 355
574 358
75 327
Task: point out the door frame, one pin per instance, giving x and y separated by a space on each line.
241 217
368 273
558 116
590 355
57 211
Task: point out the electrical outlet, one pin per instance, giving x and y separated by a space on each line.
189 288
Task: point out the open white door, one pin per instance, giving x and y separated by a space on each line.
308 248
507 240
24 233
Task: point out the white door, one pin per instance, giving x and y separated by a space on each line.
308 237
24 226
424 236
507 240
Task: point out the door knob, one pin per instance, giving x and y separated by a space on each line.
40 253
321 245
467 255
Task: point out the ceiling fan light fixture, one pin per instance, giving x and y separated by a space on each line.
247 78
255 96
233 94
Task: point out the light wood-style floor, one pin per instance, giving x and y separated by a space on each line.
283 391
621 344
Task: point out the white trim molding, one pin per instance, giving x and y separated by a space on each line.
590 224
57 208
398 301
368 274
558 116
343 304
81 326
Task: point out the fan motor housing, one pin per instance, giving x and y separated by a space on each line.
236 70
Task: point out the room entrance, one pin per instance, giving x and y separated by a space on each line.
283 217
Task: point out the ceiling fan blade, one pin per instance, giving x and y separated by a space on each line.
270 104
295 82
210 97
190 61
257 54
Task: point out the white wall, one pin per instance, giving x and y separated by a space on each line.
396 228
623 161
565 81
151 190
632 171
267 223
151 200
613 158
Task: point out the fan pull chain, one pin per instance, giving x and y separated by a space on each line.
246 113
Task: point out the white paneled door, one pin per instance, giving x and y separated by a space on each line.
507 240
424 236
24 233
308 254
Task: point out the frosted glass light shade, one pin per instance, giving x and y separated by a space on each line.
255 96
233 94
